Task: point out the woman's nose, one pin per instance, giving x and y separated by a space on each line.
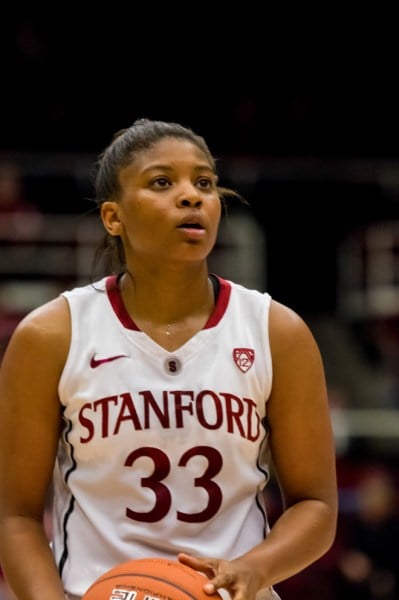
190 201
189 196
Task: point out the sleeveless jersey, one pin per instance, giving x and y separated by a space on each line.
161 451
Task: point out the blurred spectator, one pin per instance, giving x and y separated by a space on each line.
383 333
21 223
368 565
19 218
338 402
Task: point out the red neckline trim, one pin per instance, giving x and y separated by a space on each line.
115 298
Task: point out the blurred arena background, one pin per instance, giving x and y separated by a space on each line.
308 135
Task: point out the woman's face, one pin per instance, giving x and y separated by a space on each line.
169 208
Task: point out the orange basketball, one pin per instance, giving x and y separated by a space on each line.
155 578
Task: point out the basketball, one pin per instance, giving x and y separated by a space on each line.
144 578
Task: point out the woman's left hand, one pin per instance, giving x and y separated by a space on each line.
233 575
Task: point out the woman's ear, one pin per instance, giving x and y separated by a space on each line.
110 216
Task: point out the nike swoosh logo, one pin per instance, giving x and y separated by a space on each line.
96 362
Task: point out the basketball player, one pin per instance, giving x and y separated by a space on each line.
153 401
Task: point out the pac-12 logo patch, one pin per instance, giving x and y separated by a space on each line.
244 358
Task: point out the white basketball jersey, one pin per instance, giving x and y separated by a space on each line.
161 451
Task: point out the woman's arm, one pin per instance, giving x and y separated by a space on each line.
302 447
30 421
303 453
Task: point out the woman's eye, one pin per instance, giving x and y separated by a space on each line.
204 182
160 182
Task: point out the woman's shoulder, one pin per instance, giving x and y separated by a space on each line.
44 329
285 316
288 329
244 290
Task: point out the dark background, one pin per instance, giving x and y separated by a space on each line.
308 98
299 103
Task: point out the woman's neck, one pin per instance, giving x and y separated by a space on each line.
169 309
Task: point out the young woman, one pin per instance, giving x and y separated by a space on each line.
155 401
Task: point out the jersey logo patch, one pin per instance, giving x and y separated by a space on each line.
96 362
244 358
172 365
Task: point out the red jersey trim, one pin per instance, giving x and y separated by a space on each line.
221 303
115 298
